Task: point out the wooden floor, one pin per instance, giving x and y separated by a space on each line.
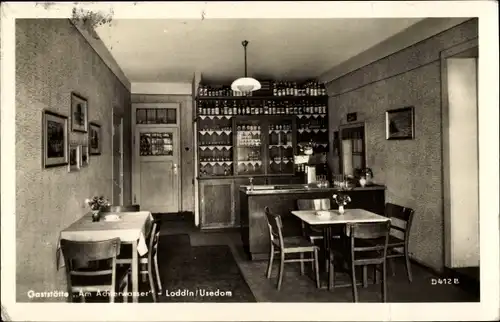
298 288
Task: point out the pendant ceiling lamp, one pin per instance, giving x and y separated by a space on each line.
245 84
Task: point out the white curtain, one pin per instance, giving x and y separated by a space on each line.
347 157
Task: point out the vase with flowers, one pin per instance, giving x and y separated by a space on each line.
341 199
96 203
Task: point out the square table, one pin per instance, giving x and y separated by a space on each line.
350 216
132 228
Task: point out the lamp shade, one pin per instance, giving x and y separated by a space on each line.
245 85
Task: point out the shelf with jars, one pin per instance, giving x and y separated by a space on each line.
215 144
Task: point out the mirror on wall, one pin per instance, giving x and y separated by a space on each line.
351 146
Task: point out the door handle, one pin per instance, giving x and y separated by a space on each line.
175 167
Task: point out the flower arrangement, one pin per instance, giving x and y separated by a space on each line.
96 203
341 199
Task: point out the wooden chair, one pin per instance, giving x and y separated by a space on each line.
405 215
146 261
367 245
288 245
311 232
121 208
316 233
91 267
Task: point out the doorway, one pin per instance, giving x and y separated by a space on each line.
460 156
156 174
117 148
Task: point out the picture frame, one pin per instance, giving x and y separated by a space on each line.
79 113
85 157
400 123
95 136
74 157
54 139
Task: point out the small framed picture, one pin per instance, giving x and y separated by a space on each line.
79 113
74 157
85 158
400 124
54 139
94 139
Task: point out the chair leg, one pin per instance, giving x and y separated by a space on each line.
393 267
408 265
282 268
270 263
301 263
316 268
365 276
331 273
384 282
151 282
125 291
354 286
158 280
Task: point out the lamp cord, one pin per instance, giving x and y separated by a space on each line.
245 43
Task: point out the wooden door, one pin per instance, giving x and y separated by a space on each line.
157 170
117 148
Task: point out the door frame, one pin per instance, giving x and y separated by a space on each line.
456 51
135 127
118 112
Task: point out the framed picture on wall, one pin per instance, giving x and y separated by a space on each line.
54 139
74 157
79 113
400 124
95 139
85 158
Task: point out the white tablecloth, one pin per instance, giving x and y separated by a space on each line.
132 226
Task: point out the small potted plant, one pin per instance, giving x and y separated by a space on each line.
341 199
96 203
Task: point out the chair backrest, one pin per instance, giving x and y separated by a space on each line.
121 208
375 236
154 236
275 226
401 213
79 254
314 204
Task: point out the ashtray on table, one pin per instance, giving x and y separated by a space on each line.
112 218
323 213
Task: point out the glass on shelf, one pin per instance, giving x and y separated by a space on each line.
249 148
280 148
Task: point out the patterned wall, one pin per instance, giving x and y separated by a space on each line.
52 60
411 169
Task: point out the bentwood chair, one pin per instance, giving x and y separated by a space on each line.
288 245
405 215
91 267
121 208
147 261
367 245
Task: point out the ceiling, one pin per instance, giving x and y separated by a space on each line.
171 50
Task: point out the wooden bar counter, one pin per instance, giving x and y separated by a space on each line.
282 199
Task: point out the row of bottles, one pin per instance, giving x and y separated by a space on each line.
310 88
280 127
216 170
216 159
219 91
279 88
268 107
